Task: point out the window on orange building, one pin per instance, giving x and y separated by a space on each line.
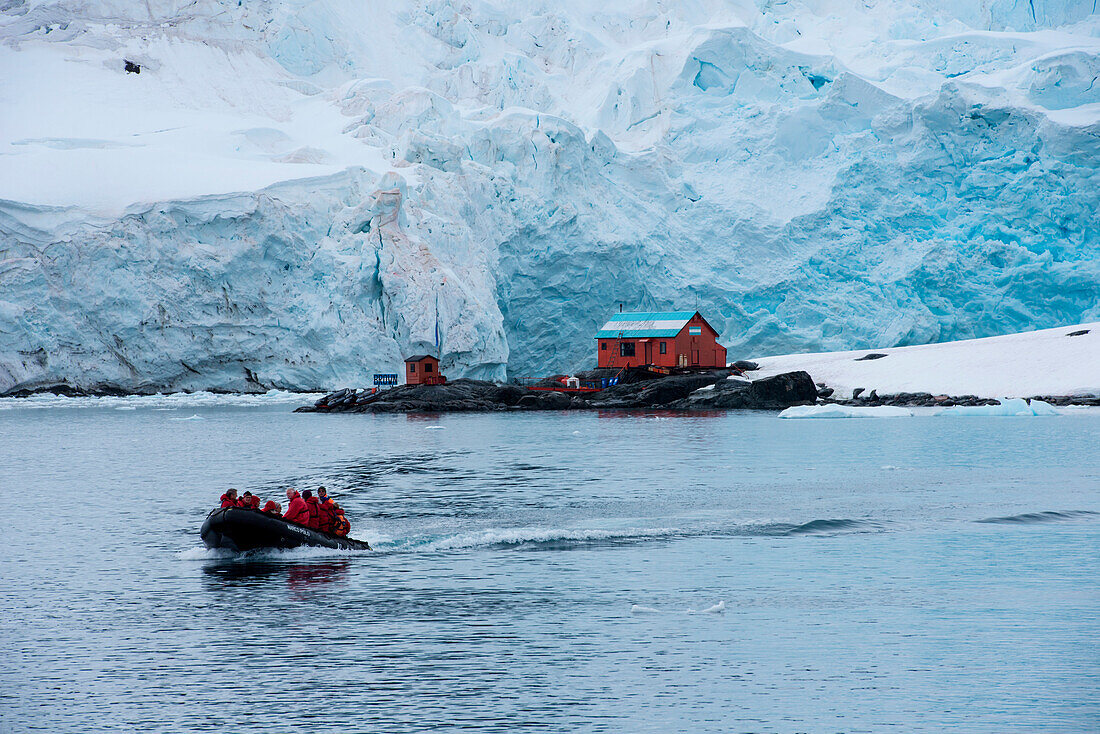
626 349
664 348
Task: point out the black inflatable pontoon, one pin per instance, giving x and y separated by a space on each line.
236 528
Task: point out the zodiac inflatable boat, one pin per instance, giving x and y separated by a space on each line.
238 529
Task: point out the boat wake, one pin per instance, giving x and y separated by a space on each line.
1031 518
543 538
828 527
302 553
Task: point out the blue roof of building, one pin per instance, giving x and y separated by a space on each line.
645 324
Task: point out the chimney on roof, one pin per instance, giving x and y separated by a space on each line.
620 308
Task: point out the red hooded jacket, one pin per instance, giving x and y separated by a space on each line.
314 508
328 515
227 502
271 507
297 511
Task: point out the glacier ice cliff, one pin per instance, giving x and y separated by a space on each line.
297 195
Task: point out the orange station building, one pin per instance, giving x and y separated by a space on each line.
662 339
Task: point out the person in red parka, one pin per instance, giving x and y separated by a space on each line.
296 510
328 511
273 508
229 499
245 502
343 527
255 502
314 508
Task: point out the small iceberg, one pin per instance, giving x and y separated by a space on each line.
846 411
718 608
1008 407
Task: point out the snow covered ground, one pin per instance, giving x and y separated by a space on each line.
297 195
1047 362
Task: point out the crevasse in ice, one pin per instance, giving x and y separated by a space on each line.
297 196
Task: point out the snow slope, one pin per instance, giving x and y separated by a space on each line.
1047 362
297 194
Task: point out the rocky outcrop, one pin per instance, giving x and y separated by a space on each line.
771 393
700 391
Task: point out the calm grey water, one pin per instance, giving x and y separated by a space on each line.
554 572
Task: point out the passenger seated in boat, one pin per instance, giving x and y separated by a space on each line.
255 502
342 526
229 499
273 508
328 511
246 501
314 507
296 511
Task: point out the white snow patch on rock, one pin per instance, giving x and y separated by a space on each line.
1046 362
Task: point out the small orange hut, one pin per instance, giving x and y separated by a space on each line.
423 369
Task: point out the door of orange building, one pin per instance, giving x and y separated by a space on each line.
649 352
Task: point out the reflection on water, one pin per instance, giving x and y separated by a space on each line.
304 576
299 576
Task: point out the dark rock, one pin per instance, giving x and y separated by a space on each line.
1081 332
745 365
825 392
130 67
531 402
654 392
553 400
856 392
872 355
544 400
771 393
508 394
873 397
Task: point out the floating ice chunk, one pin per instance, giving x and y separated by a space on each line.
715 609
189 418
1038 407
1008 407
718 608
845 411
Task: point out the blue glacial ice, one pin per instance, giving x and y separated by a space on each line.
492 179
